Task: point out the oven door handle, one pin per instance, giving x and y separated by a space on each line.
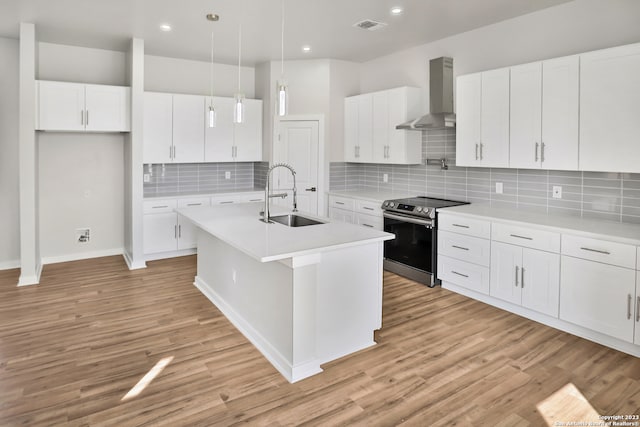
426 222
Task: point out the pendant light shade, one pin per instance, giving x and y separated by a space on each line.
282 92
213 116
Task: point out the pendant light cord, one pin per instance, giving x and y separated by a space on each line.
282 44
239 52
211 68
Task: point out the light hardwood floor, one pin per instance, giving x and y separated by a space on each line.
72 347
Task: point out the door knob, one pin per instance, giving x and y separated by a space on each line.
312 189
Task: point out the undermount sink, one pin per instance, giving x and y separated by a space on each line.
293 220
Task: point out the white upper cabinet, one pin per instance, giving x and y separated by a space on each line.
248 134
219 140
610 109
370 127
79 107
544 115
157 131
483 119
188 128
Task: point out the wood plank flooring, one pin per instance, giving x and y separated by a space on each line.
72 347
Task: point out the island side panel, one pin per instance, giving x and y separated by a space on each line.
256 297
349 306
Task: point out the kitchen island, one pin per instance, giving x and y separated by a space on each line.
302 295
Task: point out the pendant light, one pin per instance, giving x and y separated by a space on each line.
282 92
213 115
238 109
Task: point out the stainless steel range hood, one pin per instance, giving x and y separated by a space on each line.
441 98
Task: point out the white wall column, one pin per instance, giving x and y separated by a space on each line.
31 264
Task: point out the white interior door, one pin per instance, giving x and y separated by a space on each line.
297 145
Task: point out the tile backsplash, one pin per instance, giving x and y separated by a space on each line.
195 178
612 196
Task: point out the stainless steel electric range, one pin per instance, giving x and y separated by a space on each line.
414 221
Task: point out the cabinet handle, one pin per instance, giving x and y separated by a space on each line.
476 151
481 144
521 237
522 277
159 207
87 117
339 203
460 247
179 231
628 306
227 202
637 309
194 204
460 225
367 225
542 153
367 208
517 271
536 155
596 251
255 200
82 117
459 274
175 231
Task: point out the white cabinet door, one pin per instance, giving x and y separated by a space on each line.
365 128
505 272
598 296
160 233
351 129
380 125
248 135
342 215
526 116
107 108
609 109
560 103
187 234
157 133
219 144
494 128
188 128
404 146
60 106
540 281
468 107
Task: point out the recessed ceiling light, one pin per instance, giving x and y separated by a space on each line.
165 27
306 48
213 17
396 10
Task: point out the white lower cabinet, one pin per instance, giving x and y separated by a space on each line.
160 233
366 213
598 296
465 274
342 215
525 277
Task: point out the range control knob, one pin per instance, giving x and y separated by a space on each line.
392 204
419 209
386 204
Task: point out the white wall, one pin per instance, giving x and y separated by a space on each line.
162 74
265 91
81 174
9 191
569 28
345 81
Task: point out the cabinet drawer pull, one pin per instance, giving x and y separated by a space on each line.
460 247
517 271
255 200
159 207
459 274
339 203
368 225
521 237
596 250
460 225
194 204
226 203
367 208
628 306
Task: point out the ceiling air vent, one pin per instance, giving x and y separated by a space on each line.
370 25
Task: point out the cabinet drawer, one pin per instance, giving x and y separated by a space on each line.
195 201
369 207
464 274
341 202
468 248
226 199
371 221
463 225
599 250
159 206
526 237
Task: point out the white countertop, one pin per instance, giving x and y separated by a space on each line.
202 194
608 230
373 195
240 226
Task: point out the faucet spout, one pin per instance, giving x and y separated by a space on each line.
266 215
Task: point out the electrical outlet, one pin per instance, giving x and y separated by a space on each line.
557 192
227 175
146 177
499 188
385 177
83 235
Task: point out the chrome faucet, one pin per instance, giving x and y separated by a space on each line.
267 196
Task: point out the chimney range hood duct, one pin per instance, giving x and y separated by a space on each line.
441 98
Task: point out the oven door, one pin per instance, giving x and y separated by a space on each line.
414 243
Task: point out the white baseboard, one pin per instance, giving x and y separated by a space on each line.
133 265
81 256
172 254
9 265
290 372
31 280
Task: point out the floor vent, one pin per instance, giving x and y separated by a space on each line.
370 25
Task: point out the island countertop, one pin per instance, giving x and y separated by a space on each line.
240 227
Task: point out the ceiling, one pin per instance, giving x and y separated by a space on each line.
325 25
